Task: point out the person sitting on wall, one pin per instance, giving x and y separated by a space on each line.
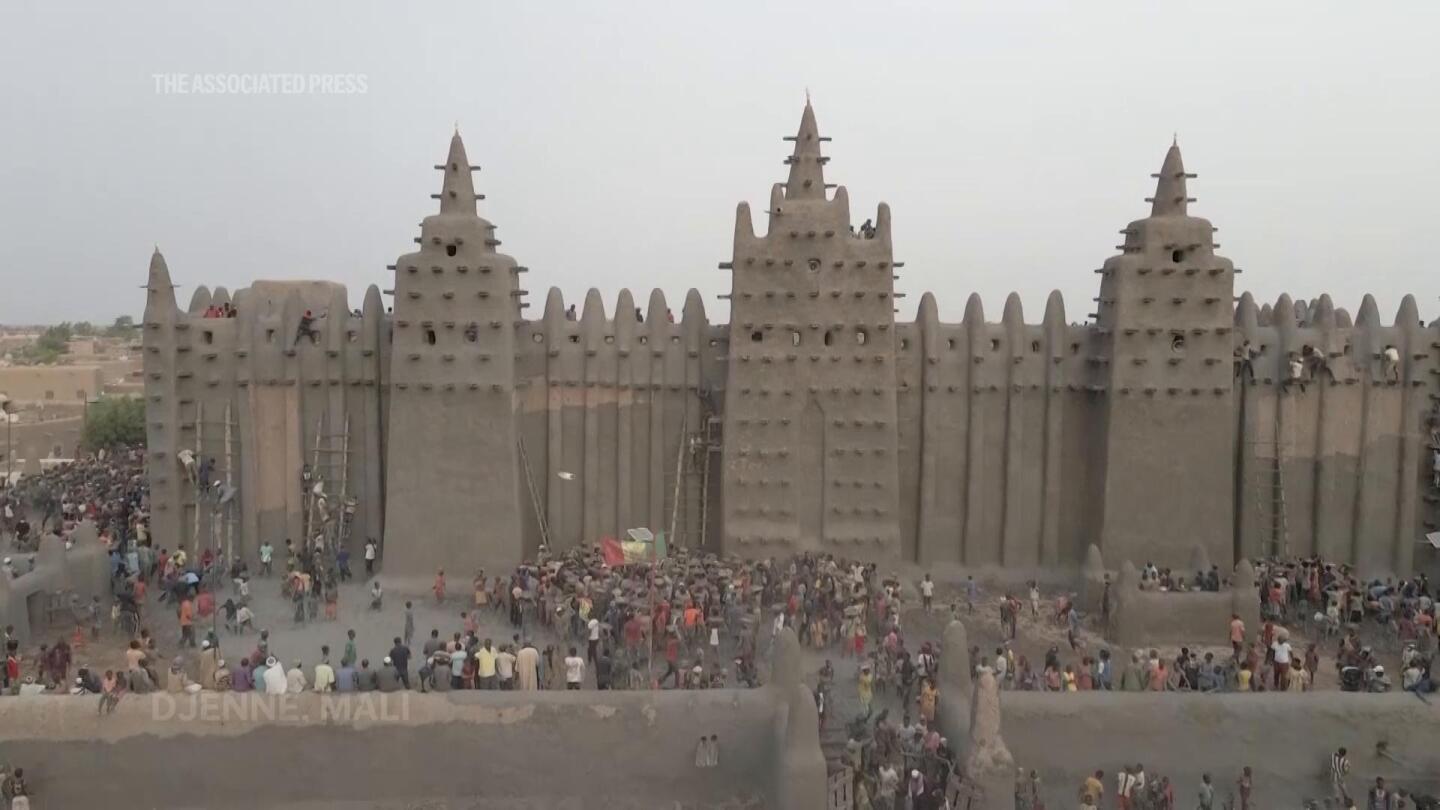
867 230
570 313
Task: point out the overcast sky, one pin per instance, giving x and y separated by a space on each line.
1011 140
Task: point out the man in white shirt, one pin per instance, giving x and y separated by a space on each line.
927 592
1281 646
370 558
1391 365
574 670
594 647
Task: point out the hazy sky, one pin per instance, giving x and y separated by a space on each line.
1011 140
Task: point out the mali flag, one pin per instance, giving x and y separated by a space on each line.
631 552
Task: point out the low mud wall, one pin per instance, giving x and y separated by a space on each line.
1285 738
458 749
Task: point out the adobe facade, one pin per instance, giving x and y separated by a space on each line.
470 432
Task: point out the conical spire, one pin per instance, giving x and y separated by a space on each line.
457 196
159 291
1170 198
807 165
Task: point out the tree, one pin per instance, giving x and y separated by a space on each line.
123 327
114 422
48 348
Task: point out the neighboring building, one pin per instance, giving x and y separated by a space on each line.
470 434
51 384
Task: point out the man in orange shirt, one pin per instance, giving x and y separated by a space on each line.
1237 633
187 619
692 621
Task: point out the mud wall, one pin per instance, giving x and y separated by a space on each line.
583 750
979 443
245 392
613 404
996 420
1354 445
1286 738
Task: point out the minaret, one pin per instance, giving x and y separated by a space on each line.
807 165
162 405
810 408
1165 315
452 495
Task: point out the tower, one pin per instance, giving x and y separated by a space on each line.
1165 315
452 491
162 408
810 412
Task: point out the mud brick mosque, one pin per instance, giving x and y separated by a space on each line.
463 433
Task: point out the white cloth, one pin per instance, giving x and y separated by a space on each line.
527 667
275 683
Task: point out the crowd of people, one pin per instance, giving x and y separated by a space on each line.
108 488
683 621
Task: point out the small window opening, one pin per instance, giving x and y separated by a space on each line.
674 338
1035 346
950 343
814 265
994 344
1074 348
829 338
644 340
574 338
430 336
1177 256
757 336
609 338
713 342
861 337
1177 344
449 250
904 343
352 336
472 333
269 335
208 336
538 338
794 338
